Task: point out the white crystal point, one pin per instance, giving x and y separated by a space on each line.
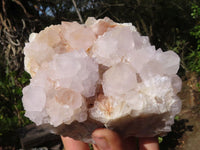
38 117
53 34
41 79
110 48
65 106
99 26
139 58
159 91
162 63
75 70
32 37
40 49
170 61
119 79
90 21
75 36
34 98
36 54
176 83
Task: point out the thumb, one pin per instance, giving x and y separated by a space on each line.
106 139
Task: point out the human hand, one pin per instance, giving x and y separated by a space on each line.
106 139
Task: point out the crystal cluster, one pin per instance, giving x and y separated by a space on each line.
101 71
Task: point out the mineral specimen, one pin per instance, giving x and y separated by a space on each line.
100 74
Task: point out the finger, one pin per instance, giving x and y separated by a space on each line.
149 143
106 139
71 144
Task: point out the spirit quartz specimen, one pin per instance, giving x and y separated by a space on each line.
100 74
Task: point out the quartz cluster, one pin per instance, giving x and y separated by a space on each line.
101 71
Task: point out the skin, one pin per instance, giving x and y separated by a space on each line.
106 139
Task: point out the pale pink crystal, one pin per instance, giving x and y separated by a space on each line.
74 35
33 95
75 71
122 76
97 74
100 26
59 88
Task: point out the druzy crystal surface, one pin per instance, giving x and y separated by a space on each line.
100 73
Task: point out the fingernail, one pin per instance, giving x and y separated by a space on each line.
101 143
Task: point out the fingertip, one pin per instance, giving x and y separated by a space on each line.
107 139
71 144
149 143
